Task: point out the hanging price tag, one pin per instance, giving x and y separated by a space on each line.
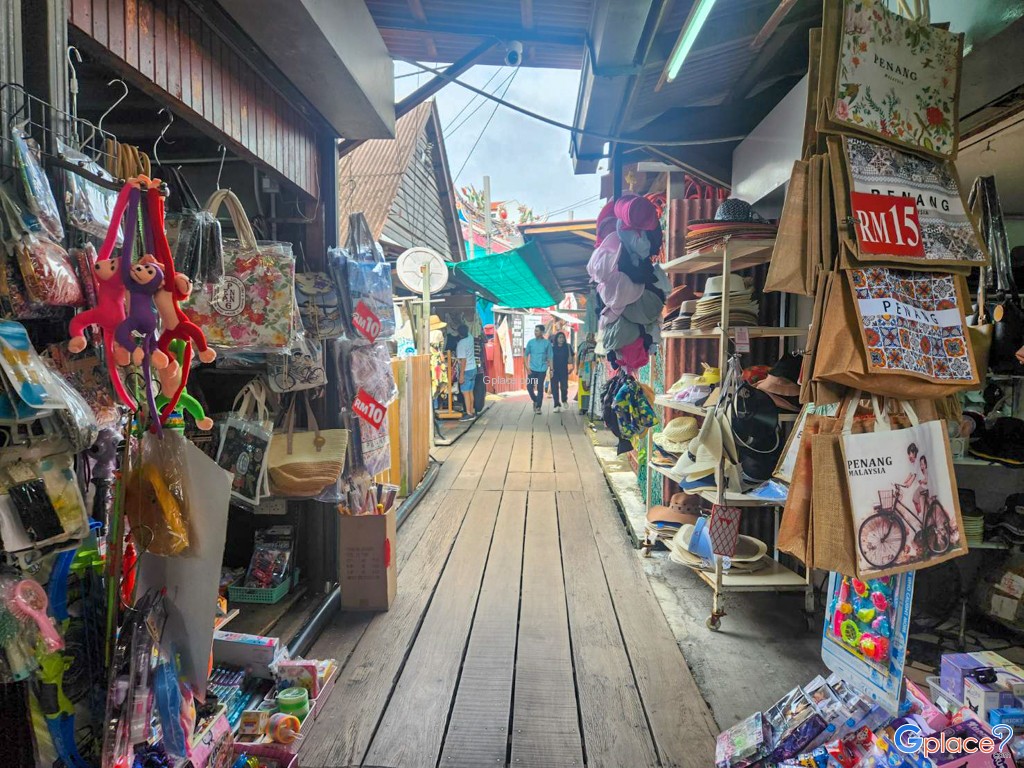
366 322
742 339
368 409
887 224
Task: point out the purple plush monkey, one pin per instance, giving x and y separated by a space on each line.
141 281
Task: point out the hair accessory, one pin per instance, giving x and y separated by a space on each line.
27 601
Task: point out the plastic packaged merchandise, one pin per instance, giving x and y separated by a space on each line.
48 273
156 503
89 206
36 187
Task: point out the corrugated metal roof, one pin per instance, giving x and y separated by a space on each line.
370 175
553 34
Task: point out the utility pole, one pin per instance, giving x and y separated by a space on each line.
488 223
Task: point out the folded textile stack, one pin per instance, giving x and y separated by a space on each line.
743 308
630 289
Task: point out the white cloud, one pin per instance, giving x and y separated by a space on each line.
526 159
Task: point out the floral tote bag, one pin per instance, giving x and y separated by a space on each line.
906 210
890 77
246 302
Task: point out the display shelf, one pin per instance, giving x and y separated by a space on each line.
741 500
743 254
699 410
988 545
755 331
971 461
774 576
666 471
260 618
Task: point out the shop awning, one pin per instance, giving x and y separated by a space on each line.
566 247
518 279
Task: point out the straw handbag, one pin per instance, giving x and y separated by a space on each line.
302 464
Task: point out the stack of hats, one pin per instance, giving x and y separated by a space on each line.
782 382
734 218
692 547
676 435
679 308
743 308
631 290
663 523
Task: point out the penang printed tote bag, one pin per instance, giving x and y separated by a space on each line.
903 496
891 77
907 209
246 302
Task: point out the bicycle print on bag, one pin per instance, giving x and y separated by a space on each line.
904 499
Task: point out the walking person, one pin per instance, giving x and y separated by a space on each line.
465 351
538 362
561 367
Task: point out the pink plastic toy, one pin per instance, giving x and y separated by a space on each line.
27 601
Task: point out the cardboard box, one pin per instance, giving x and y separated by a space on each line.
367 561
982 698
252 652
954 668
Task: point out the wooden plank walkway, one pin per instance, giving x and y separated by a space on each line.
524 634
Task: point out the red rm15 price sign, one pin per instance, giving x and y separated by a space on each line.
366 322
368 409
887 224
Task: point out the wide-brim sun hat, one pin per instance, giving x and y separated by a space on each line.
748 549
677 434
437 324
715 286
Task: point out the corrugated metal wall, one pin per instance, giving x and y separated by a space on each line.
165 44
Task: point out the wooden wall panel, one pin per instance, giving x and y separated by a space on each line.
170 51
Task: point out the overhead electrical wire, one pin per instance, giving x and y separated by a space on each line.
572 129
469 103
450 133
484 129
585 201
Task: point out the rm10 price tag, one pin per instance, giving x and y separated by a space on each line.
366 322
368 409
887 224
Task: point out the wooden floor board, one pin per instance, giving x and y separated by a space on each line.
473 468
545 720
478 732
344 731
614 725
682 726
542 459
413 725
522 447
517 481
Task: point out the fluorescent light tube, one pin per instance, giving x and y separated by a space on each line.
688 36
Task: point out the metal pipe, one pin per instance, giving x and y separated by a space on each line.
306 635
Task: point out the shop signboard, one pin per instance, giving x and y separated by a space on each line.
518 339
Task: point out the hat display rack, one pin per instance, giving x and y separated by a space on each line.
716 260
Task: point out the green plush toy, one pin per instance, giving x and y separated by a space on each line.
170 380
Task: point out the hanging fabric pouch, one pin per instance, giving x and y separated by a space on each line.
246 305
302 369
363 271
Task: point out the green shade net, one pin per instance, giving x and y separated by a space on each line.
518 279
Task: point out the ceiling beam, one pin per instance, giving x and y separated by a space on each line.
566 37
526 13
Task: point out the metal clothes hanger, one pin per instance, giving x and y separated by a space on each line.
170 122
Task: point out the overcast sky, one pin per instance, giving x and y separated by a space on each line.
527 160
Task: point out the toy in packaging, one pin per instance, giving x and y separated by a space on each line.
745 744
271 557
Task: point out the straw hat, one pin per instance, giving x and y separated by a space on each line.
437 324
677 434
748 549
715 286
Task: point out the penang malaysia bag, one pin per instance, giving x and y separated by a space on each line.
245 302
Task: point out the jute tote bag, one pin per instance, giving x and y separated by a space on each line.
791 269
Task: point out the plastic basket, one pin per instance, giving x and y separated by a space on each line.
261 595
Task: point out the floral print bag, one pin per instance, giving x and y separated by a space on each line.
890 77
246 301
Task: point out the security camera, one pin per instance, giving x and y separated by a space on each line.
514 53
